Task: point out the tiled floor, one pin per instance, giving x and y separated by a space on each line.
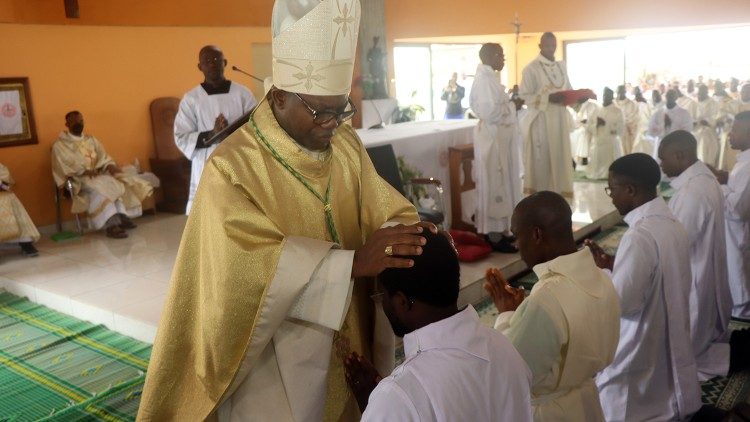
119 283
122 283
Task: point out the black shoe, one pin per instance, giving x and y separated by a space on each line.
504 245
126 223
28 249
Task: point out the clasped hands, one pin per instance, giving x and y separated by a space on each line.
111 169
386 247
506 297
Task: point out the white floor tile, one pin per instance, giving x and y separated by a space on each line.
148 311
58 302
139 330
84 282
93 314
128 292
21 289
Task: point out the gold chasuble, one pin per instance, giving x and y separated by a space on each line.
223 310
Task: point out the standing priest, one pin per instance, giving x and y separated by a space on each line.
207 109
547 125
266 296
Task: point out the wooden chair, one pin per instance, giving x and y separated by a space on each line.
170 166
460 161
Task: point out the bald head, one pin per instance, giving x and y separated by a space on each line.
543 227
492 55
209 49
548 211
548 46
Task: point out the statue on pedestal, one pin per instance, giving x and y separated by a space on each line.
378 70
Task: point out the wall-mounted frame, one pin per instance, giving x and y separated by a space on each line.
16 115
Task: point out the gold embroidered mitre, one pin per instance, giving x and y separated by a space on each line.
314 45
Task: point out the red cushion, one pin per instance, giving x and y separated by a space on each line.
470 246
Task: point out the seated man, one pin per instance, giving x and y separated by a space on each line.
553 328
653 376
110 197
15 224
454 368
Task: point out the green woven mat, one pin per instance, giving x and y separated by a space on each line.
57 368
580 176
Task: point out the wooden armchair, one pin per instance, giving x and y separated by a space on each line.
170 166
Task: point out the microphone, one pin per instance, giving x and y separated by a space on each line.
237 69
380 125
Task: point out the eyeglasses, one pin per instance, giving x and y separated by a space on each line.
323 117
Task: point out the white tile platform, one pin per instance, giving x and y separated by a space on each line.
122 283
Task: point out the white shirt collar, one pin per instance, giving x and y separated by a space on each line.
655 207
697 169
456 332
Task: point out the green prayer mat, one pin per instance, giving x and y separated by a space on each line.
580 176
57 368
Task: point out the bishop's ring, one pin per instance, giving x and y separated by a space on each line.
389 250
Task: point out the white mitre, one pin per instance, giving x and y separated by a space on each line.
314 45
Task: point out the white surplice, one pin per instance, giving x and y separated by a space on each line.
197 113
563 345
606 141
737 210
298 356
497 152
546 128
454 369
680 119
580 138
707 137
632 114
653 376
690 104
699 205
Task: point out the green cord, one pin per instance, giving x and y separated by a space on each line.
327 208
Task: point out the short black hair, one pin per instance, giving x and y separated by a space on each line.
682 139
435 277
487 49
69 114
639 168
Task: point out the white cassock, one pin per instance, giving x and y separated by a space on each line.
546 129
729 109
606 141
497 152
580 138
197 115
737 210
680 119
688 103
653 376
643 142
707 137
632 113
699 205
15 224
454 369
563 345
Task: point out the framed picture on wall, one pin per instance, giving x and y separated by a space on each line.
16 115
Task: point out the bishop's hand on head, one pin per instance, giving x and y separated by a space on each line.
601 258
556 98
386 247
505 296
600 122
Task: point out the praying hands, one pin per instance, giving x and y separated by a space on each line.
506 297
601 258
